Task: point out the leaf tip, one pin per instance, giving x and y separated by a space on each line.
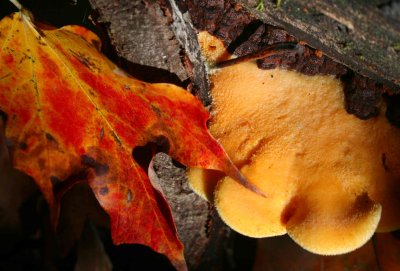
243 181
235 174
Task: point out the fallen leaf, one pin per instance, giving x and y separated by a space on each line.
72 111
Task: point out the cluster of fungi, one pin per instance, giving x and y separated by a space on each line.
329 168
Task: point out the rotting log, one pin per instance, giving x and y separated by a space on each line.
355 33
243 33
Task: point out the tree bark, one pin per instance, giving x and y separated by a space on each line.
140 33
355 33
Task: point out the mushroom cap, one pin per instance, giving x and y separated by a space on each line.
325 219
203 182
330 179
212 48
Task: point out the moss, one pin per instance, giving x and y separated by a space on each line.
260 5
278 4
396 46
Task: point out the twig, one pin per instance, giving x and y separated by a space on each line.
16 3
273 49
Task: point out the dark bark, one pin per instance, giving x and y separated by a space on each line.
140 33
355 33
186 35
190 212
245 34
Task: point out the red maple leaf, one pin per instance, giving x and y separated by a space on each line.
71 112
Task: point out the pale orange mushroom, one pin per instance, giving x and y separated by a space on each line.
330 179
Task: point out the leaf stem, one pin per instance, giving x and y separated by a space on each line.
16 3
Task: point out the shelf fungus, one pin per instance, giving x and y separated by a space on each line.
330 179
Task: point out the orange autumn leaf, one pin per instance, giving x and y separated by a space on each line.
72 111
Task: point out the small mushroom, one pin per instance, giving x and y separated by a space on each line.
330 179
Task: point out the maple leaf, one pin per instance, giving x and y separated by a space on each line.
72 111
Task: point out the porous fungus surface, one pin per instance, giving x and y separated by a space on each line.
330 179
